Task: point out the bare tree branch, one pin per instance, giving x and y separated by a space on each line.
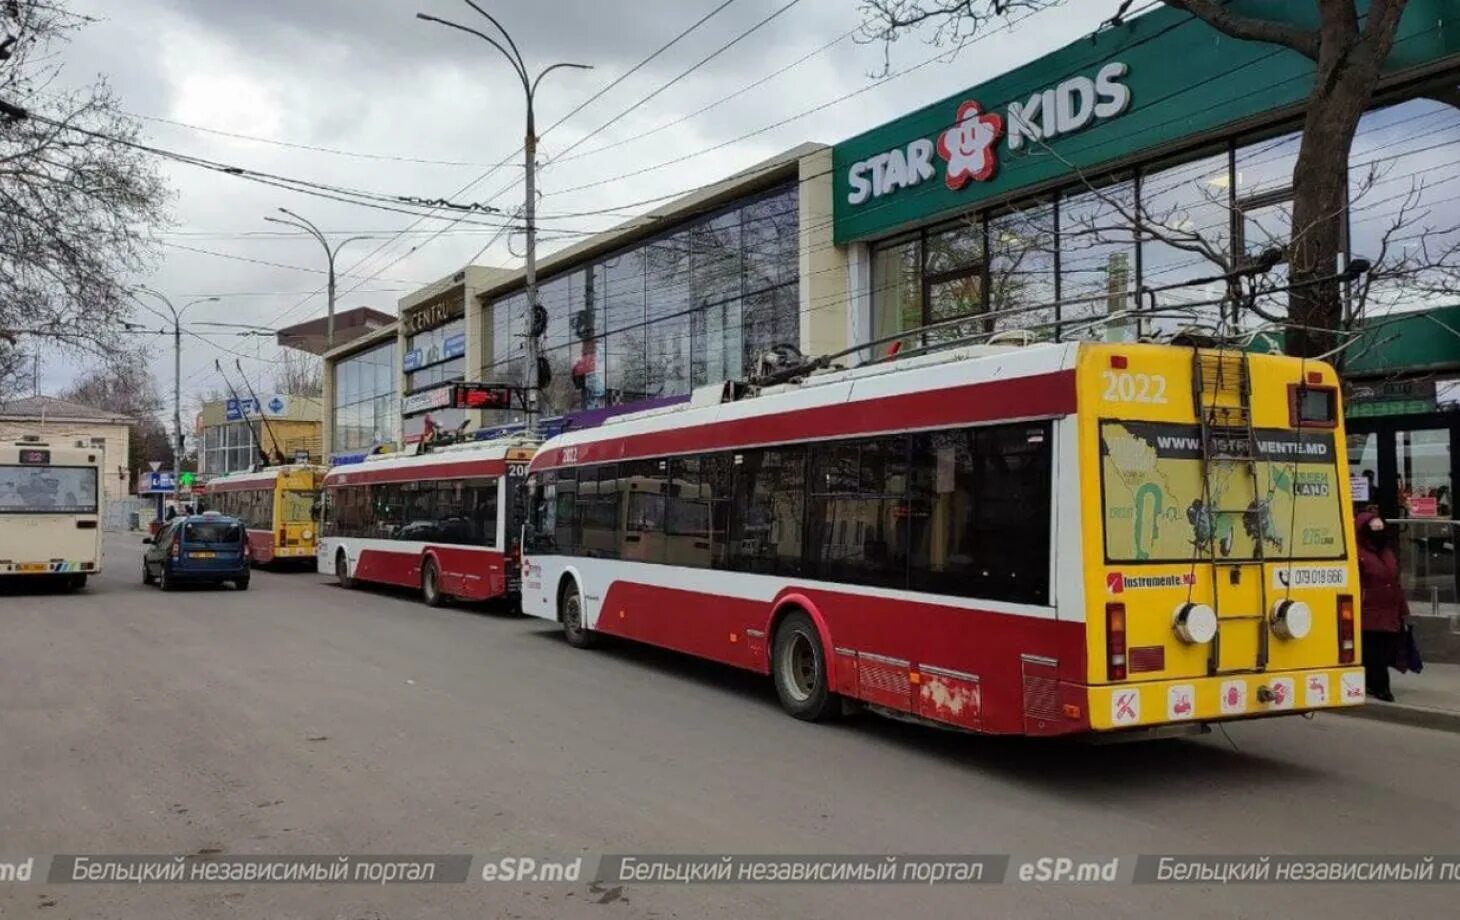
1251 28
77 205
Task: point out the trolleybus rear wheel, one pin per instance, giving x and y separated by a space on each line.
431 585
798 666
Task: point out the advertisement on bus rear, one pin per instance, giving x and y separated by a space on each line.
1276 498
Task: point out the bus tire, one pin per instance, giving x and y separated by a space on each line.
431 585
570 613
76 583
342 570
798 667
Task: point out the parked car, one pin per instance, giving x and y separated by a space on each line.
207 548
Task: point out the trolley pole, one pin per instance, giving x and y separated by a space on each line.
536 318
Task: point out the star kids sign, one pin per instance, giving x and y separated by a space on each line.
969 146
1162 82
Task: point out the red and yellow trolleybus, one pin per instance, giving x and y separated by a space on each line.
1050 539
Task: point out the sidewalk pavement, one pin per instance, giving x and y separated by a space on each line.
1430 699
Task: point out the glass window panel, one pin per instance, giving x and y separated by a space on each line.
952 298
1266 166
716 254
980 512
897 291
718 342
770 499
771 318
1097 258
624 307
668 345
1021 268
956 247
770 233
1183 207
558 297
1405 204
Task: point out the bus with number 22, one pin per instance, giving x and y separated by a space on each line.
51 509
1054 539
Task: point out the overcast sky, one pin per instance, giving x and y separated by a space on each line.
364 76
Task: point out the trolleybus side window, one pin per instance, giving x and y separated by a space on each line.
858 513
456 512
769 510
963 512
980 512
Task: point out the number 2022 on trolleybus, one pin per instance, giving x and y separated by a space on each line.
447 522
278 505
50 510
1052 539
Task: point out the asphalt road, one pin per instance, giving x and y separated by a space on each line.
303 718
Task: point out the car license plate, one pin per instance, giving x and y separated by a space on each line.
203 555
34 567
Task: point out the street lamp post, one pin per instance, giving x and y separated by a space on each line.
330 253
177 315
529 207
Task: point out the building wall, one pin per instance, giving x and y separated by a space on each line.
362 408
686 296
229 446
824 265
115 442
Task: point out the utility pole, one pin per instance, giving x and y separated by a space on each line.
537 318
177 315
330 253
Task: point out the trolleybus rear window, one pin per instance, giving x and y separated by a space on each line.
1156 508
47 489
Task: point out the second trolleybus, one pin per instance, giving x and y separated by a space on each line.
447 522
1051 539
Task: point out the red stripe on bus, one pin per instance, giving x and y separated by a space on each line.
1041 395
468 573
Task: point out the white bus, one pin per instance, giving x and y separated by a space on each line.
50 510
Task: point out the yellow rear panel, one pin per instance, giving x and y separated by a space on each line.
1278 529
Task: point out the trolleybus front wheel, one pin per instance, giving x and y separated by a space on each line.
570 611
342 570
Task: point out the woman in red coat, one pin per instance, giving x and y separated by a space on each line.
1383 605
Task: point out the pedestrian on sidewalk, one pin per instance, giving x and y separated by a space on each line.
1382 603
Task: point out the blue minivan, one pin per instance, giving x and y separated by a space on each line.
208 548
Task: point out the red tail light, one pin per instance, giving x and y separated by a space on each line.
1345 629
176 545
1115 641
283 535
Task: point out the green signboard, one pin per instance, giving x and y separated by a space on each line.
1158 79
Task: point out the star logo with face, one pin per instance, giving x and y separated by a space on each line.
968 146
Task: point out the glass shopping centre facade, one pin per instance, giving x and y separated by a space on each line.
1141 159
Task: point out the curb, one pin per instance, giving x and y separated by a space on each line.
1415 716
